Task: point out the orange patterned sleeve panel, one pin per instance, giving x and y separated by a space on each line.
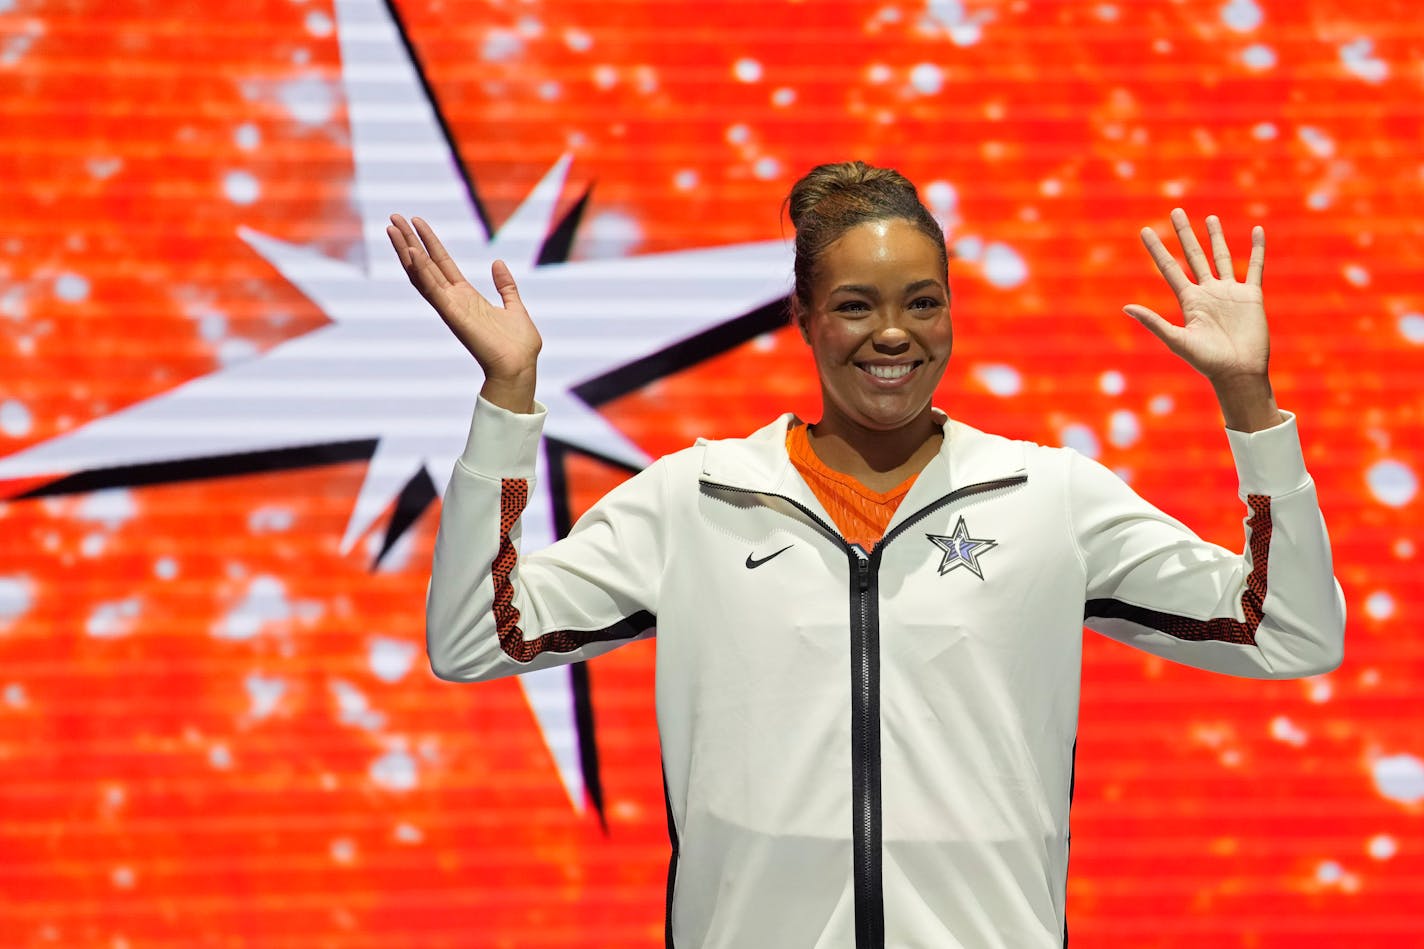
860 514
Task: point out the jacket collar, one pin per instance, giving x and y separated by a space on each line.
760 463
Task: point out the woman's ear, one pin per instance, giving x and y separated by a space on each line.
798 317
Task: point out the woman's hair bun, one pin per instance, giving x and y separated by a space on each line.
831 199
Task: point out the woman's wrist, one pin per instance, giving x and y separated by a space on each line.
1247 403
514 394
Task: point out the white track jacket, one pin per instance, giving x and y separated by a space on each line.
874 748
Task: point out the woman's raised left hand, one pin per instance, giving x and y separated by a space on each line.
1224 334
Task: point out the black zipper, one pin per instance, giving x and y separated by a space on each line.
866 837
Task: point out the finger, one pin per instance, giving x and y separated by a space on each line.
1196 259
1257 264
1167 332
437 252
421 270
1220 255
504 283
398 242
1166 264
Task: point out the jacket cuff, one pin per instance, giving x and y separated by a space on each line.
1270 461
503 444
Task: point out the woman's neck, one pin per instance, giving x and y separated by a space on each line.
880 460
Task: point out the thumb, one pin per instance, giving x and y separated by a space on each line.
504 283
1163 330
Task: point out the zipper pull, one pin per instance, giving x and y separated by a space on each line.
862 569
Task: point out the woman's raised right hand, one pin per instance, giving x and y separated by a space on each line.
503 340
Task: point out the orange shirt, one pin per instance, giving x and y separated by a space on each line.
860 514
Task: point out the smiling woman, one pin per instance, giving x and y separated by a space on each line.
862 743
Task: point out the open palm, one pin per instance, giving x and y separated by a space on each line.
503 340
1224 334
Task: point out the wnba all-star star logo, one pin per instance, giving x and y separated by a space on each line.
385 380
961 550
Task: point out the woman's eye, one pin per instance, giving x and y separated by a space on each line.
852 306
925 303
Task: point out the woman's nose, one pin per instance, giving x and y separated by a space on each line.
891 338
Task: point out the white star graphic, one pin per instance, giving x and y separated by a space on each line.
386 367
961 550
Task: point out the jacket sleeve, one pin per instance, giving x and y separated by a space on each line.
491 612
1274 611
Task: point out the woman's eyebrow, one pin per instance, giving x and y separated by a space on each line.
862 288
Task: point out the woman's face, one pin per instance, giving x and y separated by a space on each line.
879 325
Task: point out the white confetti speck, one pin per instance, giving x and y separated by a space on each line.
878 73
355 707
969 248
1320 690
343 850
311 101
318 23
738 134
390 658
1112 382
394 771
122 877
578 40
1264 131
270 518
783 96
999 379
71 287
92 545
165 568
766 168
610 234
1320 144
1242 16
1258 56
501 45
1123 428
605 76
15 418
1392 482
408 833
247 136
1382 846
1003 267
746 70
263 693
1358 59
113 619
16 597
1411 327
1161 404
1318 200
220 757
1357 275
1081 439
1284 730
1379 605
240 187
941 196
15 695
265 602
1329 871
112 507
1399 778
926 78
685 180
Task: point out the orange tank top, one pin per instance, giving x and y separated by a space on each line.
860 514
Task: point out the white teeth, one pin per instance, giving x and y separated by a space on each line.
890 372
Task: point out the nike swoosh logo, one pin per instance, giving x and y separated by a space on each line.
752 564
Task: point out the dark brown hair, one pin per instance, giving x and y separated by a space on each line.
831 199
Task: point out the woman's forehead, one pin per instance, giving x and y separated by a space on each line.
881 250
